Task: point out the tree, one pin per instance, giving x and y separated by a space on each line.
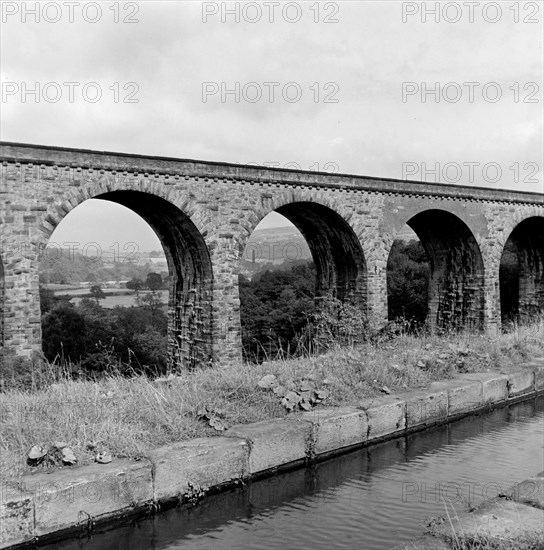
47 299
408 275
275 309
97 293
151 302
67 266
509 282
153 281
136 285
92 277
63 333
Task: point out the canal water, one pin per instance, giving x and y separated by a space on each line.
372 498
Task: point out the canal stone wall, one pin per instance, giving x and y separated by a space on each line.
53 505
204 214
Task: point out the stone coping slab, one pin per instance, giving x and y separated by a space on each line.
197 464
464 396
274 443
386 416
72 498
335 428
498 518
539 376
530 492
69 498
494 386
521 382
519 511
16 516
426 407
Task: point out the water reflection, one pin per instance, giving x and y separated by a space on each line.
372 498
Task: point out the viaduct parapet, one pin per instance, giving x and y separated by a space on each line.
205 212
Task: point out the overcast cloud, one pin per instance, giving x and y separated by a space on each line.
361 61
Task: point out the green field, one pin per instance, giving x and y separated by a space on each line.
114 297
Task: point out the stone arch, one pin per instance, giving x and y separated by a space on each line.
336 250
505 221
521 271
108 183
456 286
190 327
2 306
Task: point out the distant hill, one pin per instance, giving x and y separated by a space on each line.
272 249
407 234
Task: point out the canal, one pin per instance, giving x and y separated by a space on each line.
372 498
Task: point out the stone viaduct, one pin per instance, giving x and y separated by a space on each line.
204 213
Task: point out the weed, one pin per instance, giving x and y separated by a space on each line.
131 416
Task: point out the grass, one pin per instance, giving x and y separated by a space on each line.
485 535
529 541
483 539
129 416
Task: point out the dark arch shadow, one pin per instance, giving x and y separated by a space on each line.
190 298
338 258
521 272
456 292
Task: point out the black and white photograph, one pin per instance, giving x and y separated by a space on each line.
272 275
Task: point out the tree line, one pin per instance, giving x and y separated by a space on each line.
64 266
279 316
90 339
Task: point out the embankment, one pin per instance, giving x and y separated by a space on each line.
48 506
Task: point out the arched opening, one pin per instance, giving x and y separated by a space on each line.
456 290
188 280
408 272
336 252
309 257
521 272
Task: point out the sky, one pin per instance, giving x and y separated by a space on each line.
378 88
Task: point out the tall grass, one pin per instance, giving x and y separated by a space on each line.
128 416
528 541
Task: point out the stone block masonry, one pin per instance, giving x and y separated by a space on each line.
62 501
204 213
426 407
273 443
521 382
16 515
71 499
335 428
507 519
494 388
386 415
199 463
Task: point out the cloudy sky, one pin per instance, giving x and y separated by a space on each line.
365 87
